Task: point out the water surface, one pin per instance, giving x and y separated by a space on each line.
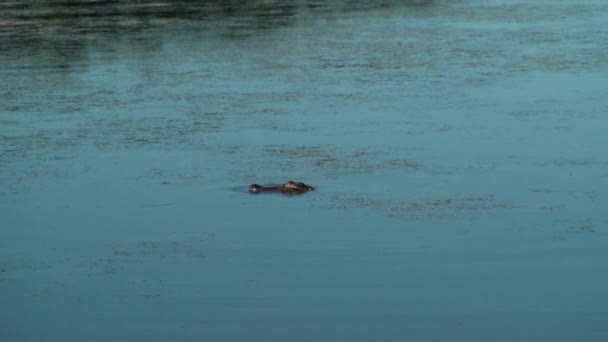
457 148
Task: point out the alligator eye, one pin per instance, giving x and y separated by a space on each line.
254 188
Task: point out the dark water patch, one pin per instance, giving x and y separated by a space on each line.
67 25
131 257
193 10
542 190
170 176
523 113
156 205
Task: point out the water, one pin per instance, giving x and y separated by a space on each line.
457 148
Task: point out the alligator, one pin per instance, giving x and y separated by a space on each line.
288 188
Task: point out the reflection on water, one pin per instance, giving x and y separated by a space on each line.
60 21
457 148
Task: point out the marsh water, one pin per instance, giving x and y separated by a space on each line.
458 150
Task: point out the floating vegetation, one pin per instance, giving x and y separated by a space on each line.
437 208
572 162
327 158
354 200
24 266
582 226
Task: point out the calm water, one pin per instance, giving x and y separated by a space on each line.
458 149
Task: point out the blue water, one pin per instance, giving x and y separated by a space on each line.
457 148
